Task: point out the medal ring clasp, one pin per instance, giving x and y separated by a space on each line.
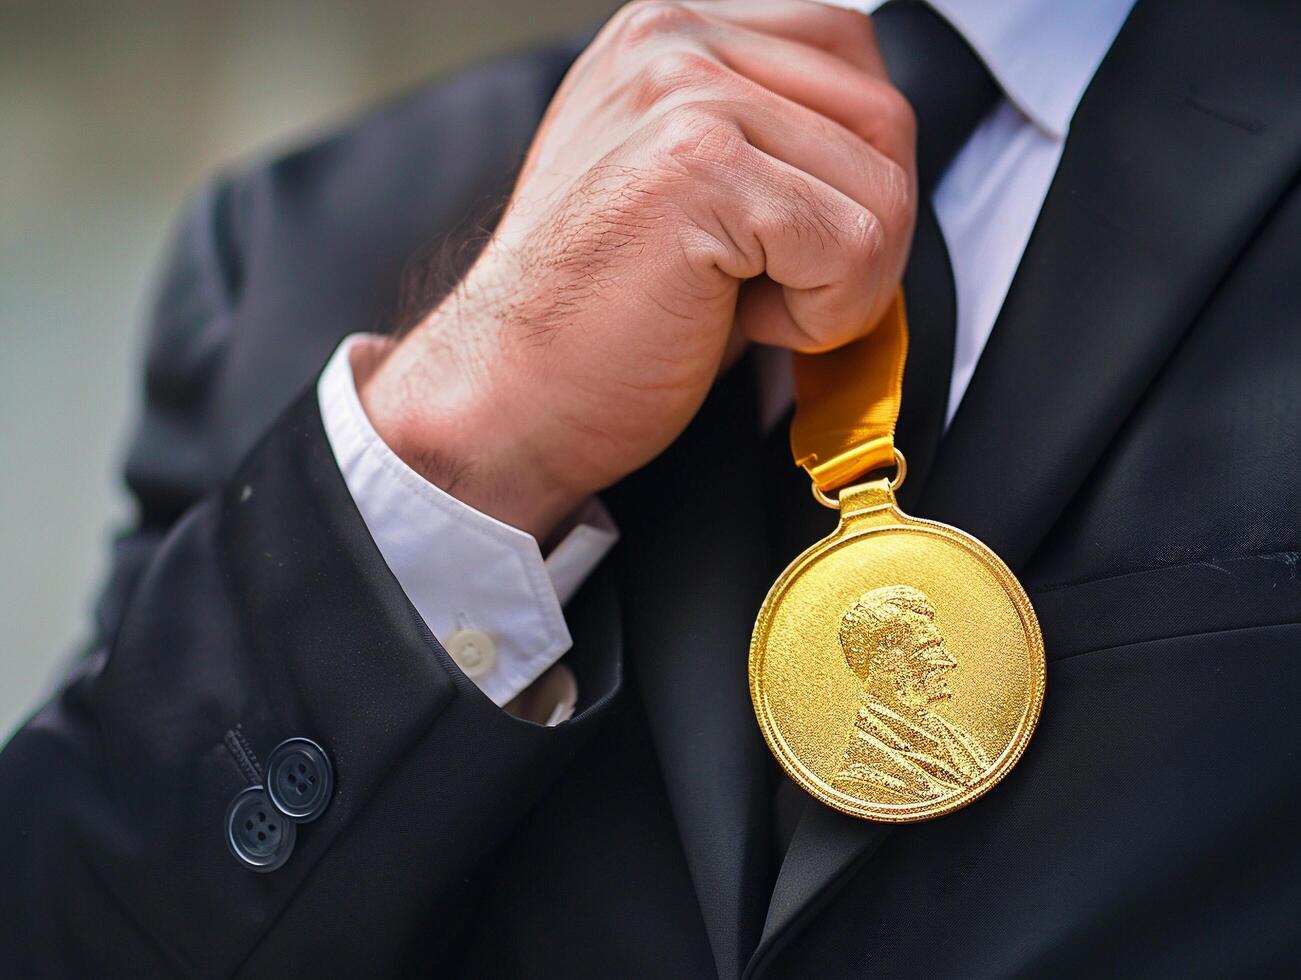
900 473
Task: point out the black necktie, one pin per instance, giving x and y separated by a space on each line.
951 91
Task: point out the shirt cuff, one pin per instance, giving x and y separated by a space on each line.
482 586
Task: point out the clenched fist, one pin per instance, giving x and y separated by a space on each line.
709 174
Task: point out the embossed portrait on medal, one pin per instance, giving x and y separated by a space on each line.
893 643
890 701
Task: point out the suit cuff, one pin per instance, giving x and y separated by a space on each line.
482 587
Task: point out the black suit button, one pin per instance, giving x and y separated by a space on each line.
300 779
258 834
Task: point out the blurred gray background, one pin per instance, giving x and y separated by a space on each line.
110 112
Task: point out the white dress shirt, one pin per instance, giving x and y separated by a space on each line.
484 588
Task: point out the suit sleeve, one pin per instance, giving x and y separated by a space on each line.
246 609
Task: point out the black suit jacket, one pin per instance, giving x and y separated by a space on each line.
1129 443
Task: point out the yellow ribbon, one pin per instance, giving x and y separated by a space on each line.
847 402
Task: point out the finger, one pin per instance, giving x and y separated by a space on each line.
824 149
690 79
866 105
827 254
846 34
680 50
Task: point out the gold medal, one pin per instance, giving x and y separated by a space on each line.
896 667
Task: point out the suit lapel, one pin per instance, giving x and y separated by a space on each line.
827 848
1176 154
695 563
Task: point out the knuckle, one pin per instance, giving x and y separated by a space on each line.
696 68
897 112
864 241
897 204
651 18
669 74
697 133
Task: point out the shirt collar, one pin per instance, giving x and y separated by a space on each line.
1042 53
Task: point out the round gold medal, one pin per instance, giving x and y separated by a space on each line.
896 667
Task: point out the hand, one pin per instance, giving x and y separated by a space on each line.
708 174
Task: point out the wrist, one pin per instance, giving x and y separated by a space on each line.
454 432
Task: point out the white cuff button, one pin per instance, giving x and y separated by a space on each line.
473 651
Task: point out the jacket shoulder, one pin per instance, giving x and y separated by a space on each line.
394 177
272 264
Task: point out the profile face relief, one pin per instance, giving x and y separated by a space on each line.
898 744
891 641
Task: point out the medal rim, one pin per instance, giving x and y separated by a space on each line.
845 535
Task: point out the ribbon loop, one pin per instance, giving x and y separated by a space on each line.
847 403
